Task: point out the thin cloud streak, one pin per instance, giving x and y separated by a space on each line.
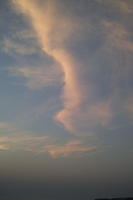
125 7
3 147
42 145
69 148
118 36
12 47
19 141
37 77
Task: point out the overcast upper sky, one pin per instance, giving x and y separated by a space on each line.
66 99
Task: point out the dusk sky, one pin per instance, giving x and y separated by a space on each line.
66 99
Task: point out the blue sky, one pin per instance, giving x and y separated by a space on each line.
67 93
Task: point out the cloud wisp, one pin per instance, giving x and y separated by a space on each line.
14 139
42 145
37 77
72 147
12 47
117 36
25 142
125 7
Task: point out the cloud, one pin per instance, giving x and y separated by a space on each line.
54 30
46 22
24 34
3 147
38 77
21 141
59 32
100 113
42 144
118 36
12 47
72 147
83 119
12 138
129 107
125 7
16 139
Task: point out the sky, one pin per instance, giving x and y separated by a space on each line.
66 99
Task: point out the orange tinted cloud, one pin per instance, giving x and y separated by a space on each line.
67 149
3 147
19 141
42 144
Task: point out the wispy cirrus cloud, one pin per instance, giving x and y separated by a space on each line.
125 7
21 141
39 76
12 47
3 147
56 34
72 147
118 36
14 139
24 34
46 20
42 145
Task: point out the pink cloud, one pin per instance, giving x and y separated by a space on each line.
72 147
